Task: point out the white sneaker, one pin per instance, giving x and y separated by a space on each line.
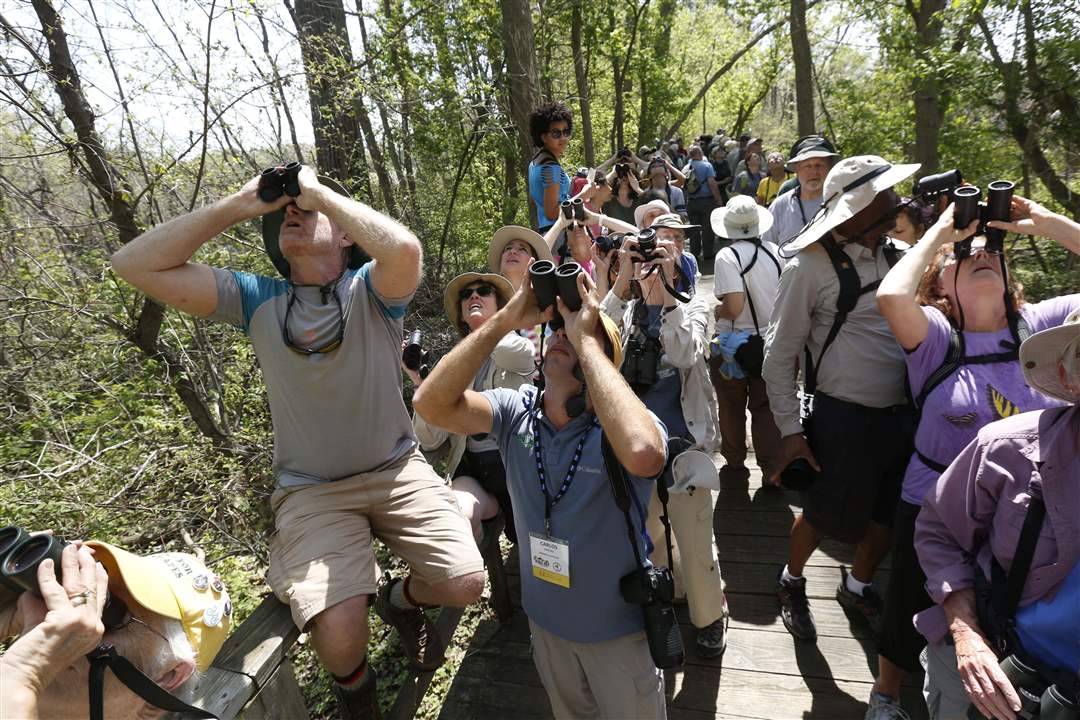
884 707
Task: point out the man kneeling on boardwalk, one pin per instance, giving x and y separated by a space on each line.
588 643
347 468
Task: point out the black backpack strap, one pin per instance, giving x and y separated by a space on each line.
954 358
1006 588
850 291
746 289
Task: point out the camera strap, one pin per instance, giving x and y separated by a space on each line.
624 497
105 656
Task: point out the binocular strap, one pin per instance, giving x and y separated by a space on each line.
105 656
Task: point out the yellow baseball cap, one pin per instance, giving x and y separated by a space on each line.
178 586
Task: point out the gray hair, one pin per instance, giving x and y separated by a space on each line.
155 644
695 152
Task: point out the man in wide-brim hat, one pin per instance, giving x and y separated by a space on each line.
862 425
799 199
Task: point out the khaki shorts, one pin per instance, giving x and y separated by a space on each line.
321 552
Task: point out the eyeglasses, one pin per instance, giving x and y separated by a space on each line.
330 346
481 290
558 133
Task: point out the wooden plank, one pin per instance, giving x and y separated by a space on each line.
279 699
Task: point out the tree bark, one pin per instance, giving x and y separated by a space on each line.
925 84
520 49
804 69
582 79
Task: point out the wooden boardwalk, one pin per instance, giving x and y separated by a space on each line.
764 674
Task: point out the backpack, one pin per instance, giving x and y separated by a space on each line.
693 182
751 354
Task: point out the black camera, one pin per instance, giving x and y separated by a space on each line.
622 170
1038 699
414 356
277 181
20 556
653 588
998 206
646 242
607 243
932 185
573 209
641 360
549 282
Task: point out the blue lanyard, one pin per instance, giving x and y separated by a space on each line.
550 502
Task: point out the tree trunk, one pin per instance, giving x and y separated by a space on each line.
804 70
517 37
582 79
328 60
659 58
925 84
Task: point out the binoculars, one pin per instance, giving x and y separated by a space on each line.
998 206
607 243
932 185
549 282
573 209
1037 698
277 181
622 169
20 556
414 356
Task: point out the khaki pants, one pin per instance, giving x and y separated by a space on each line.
610 680
697 573
942 687
734 398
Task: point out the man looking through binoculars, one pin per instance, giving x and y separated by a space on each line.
328 341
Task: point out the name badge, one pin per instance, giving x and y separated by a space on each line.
550 559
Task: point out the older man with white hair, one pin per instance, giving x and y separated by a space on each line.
811 159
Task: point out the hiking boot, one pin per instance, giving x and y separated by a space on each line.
884 707
419 638
795 608
711 640
360 702
867 605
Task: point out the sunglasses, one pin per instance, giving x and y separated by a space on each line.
328 347
558 133
481 290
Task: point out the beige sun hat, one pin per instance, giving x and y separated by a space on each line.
850 187
640 210
740 219
451 303
1040 354
505 235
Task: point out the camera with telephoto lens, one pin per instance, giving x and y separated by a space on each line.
573 209
1038 698
607 243
646 242
20 556
549 282
933 185
414 356
277 181
653 588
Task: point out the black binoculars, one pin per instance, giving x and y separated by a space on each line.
20 556
622 169
998 206
932 185
549 282
1038 699
573 209
607 243
280 180
414 355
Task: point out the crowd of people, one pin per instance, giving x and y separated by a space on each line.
886 359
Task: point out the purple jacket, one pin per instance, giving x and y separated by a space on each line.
978 506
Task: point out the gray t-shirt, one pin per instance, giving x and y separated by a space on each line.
591 609
338 413
790 213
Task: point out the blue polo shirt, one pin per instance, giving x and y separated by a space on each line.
591 609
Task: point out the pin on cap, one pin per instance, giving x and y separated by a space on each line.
217 584
200 582
228 608
212 616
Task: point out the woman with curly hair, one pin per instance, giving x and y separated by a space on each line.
960 318
550 127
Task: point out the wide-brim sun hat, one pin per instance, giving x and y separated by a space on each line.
693 469
506 235
177 586
1040 354
271 233
807 147
640 210
850 188
673 221
742 218
451 303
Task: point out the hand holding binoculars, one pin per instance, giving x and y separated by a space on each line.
969 207
279 180
549 282
573 209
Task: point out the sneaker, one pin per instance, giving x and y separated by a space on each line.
360 702
884 707
868 605
795 608
712 639
419 638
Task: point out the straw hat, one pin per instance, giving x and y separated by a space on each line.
505 235
451 303
1040 354
740 219
271 233
850 187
